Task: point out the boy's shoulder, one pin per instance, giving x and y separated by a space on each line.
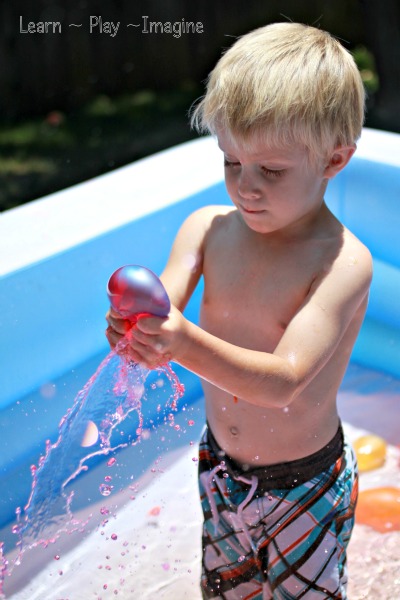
208 217
353 250
350 266
207 214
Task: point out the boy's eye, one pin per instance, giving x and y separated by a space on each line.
273 172
230 163
269 172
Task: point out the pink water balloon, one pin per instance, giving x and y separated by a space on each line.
134 290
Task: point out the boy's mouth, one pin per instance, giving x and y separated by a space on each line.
252 211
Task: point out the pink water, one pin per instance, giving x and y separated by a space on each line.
91 428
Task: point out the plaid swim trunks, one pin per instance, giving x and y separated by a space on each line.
278 532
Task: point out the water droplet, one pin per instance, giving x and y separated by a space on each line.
190 422
114 536
105 490
48 390
189 261
145 434
155 511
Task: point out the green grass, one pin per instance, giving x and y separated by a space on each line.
42 155
366 64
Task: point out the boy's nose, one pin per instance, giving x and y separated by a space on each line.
248 188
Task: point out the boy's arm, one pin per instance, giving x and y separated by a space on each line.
185 263
182 271
271 379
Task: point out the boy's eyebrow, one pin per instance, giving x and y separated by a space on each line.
261 158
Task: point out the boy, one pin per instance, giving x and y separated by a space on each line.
285 292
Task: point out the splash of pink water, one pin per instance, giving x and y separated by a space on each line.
115 390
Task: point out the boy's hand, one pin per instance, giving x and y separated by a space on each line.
117 327
155 340
152 341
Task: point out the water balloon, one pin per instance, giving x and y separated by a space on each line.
134 290
370 451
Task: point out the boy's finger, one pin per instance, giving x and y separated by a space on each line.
113 336
150 325
118 324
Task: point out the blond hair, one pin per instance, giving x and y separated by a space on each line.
289 83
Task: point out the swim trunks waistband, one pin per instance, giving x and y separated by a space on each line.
285 475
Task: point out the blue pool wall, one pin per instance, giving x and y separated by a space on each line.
366 198
52 310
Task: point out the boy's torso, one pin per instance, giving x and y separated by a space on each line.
253 288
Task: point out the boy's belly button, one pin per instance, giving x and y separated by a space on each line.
234 430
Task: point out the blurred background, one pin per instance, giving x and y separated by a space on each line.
89 85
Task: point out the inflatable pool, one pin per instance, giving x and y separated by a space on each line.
57 254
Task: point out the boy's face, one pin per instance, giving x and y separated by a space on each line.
274 189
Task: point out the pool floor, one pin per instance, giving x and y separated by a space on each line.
150 546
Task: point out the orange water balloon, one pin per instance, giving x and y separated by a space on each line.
379 508
370 451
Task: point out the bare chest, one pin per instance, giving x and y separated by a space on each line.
252 292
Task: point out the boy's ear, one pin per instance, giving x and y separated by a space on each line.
338 160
